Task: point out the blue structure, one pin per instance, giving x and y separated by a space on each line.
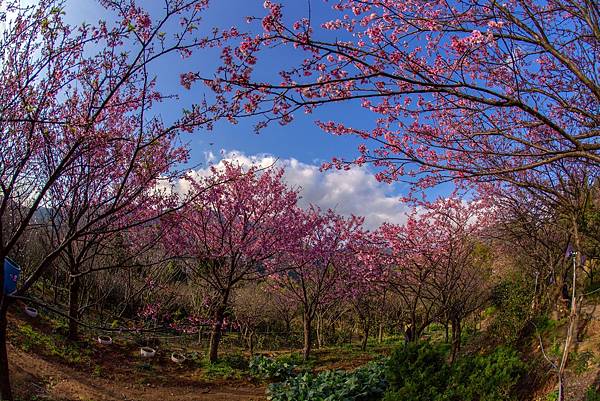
11 275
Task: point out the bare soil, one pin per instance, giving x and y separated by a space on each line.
34 376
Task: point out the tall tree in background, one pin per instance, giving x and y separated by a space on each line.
433 264
317 266
235 231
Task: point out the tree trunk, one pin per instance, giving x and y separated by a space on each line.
572 315
5 390
319 331
74 287
561 387
215 334
365 337
380 333
456 339
446 336
307 336
410 334
251 342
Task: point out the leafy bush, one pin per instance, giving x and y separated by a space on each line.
365 383
269 368
513 302
486 377
421 373
418 372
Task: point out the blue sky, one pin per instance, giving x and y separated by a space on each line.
301 147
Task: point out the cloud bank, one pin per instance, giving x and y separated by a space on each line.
354 191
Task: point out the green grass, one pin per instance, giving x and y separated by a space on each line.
27 338
222 370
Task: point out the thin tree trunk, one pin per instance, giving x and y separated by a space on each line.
251 342
446 337
307 336
365 337
74 287
319 331
572 320
215 334
5 389
456 339
380 333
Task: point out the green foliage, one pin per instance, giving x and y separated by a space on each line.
418 372
486 377
28 339
144 367
513 302
221 370
263 367
592 394
580 361
236 361
421 373
365 383
545 324
195 358
97 372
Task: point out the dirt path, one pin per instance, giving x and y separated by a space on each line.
34 376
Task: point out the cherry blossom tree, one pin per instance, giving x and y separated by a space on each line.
80 104
466 89
317 265
434 269
235 231
462 281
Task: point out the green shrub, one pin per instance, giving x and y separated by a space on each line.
421 373
513 302
417 372
263 367
486 377
363 384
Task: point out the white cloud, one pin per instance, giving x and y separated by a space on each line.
355 191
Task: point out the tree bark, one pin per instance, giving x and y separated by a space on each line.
5 389
365 337
251 341
307 336
446 336
572 315
319 331
74 287
215 334
456 339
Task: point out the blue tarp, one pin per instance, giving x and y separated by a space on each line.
11 275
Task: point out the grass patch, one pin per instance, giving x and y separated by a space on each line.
29 339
